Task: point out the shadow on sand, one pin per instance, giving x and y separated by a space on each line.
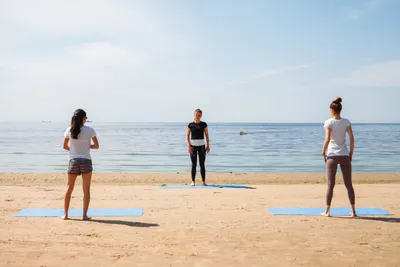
382 219
250 187
379 219
120 222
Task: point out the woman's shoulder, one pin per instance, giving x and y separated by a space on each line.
67 132
328 122
204 123
87 128
346 121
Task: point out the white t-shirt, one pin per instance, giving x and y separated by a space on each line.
80 148
337 145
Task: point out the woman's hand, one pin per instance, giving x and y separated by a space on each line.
208 149
190 149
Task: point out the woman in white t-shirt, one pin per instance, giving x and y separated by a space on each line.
77 140
335 153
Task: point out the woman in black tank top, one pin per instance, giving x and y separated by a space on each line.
197 145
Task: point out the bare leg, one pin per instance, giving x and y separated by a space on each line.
67 198
86 181
353 213
327 212
331 168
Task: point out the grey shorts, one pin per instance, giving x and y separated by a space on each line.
79 166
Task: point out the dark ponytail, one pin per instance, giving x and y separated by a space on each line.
77 122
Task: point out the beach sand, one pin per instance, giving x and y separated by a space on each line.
199 227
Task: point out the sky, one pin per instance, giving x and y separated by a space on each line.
238 61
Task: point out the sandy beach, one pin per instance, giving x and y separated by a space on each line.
199 227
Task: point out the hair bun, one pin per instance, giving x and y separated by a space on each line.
337 100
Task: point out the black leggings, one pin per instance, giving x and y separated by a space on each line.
331 168
201 150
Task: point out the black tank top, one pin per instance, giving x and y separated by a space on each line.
197 130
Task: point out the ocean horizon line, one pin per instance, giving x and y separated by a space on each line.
209 122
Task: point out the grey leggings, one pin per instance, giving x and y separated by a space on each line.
331 168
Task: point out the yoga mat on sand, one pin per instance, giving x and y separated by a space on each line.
78 212
202 186
334 211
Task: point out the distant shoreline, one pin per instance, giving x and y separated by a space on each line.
44 179
209 122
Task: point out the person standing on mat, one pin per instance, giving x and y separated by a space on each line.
197 146
77 140
335 153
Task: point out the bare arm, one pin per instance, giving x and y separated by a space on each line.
188 137
327 140
65 144
95 143
188 140
351 135
207 136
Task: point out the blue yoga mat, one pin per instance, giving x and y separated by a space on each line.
78 212
202 186
334 211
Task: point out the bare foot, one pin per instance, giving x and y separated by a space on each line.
353 215
86 218
204 183
192 184
65 217
326 214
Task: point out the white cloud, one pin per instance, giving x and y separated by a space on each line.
279 70
77 17
268 73
106 54
376 75
61 53
357 12
64 22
